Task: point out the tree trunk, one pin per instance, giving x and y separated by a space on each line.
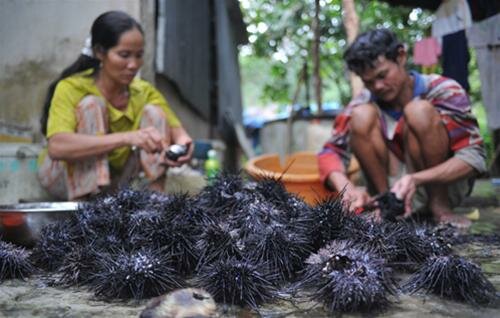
316 59
289 121
351 24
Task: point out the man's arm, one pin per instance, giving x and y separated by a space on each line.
447 172
464 136
335 153
353 195
334 159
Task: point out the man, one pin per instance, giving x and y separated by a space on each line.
408 131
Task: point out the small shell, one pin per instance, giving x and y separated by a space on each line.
188 302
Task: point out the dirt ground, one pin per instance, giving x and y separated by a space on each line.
34 298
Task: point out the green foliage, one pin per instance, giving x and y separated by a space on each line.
281 40
479 111
477 106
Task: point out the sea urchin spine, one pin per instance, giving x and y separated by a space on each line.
347 278
452 277
14 262
236 282
140 274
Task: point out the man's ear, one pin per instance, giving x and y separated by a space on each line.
402 56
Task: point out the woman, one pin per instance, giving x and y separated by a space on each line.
103 124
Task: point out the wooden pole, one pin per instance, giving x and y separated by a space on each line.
291 115
351 24
316 57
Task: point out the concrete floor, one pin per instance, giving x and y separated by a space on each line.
34 298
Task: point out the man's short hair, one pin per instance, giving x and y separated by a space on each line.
368 46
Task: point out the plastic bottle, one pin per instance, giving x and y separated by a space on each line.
212 165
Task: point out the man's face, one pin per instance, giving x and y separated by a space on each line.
386 79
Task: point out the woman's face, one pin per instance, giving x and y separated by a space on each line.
122 62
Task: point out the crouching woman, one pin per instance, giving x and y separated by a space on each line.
103 124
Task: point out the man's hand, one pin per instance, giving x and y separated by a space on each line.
405 189
355 197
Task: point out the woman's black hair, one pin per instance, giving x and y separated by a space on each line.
367 47
105 33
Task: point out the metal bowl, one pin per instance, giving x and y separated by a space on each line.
22 223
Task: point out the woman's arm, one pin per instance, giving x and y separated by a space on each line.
75 147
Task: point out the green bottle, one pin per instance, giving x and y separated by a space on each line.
212 165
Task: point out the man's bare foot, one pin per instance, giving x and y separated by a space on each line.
458 221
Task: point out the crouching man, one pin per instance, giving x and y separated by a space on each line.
412 134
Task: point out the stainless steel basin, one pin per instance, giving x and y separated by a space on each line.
22 223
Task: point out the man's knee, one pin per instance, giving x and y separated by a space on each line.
426 135
422 116
364 118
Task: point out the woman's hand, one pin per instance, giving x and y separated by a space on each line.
149 139
180 137
405 189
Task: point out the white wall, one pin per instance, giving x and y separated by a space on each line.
39 38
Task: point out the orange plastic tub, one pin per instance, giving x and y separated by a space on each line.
299 174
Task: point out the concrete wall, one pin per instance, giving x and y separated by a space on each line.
38 39
307 135
197 127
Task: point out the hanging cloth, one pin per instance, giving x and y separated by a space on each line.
456 58
426 52
483 9
484 37
450 17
